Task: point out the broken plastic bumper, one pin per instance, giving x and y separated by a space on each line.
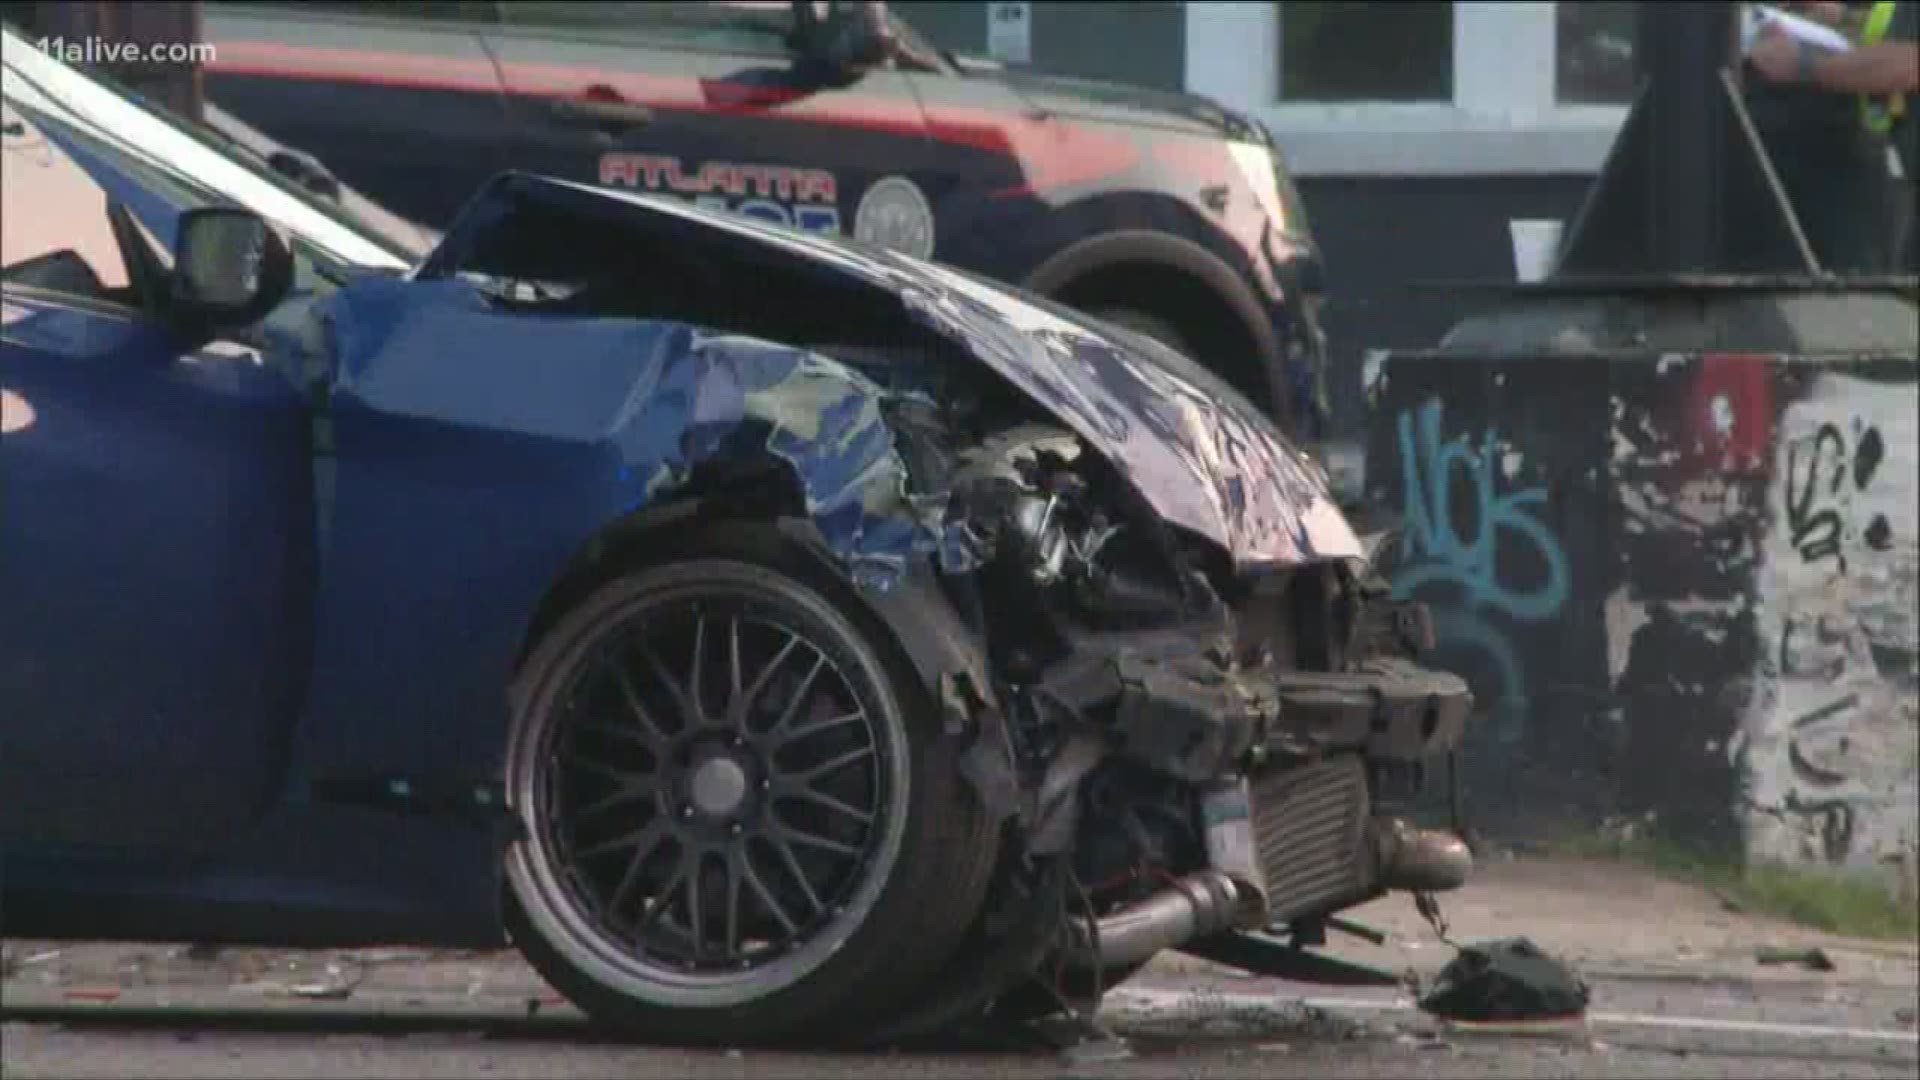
1386 709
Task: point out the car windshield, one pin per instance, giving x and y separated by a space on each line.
174 164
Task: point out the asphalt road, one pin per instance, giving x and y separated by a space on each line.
1185 1026
1677 991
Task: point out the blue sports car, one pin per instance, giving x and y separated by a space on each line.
772 637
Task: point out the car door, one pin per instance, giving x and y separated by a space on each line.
395 98
155 521
707 102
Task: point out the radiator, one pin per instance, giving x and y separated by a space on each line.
1309 830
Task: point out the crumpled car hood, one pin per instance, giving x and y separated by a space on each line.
1199 453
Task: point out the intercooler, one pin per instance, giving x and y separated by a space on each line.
1310 835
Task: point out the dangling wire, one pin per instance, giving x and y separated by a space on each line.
1429 909
1093 930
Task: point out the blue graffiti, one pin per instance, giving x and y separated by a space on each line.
1439 552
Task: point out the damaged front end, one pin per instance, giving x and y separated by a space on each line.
1180 687
1204 754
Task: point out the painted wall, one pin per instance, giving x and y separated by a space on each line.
1684 586
1830 735
1496 474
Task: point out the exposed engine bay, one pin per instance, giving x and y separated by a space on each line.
1201 754
1184 753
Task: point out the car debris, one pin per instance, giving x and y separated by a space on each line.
1506 981
1423 1040
321 991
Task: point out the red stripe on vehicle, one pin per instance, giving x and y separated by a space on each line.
410 71
1054 154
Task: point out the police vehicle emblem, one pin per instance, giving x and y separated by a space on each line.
895 214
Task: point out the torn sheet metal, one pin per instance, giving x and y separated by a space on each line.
1203 457
661 399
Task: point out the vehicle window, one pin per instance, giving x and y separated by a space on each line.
472 11
754 28
58 235
160 164
83 256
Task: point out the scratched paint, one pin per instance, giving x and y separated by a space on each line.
1832 758
1466 529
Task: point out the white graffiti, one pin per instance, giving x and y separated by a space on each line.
1832 756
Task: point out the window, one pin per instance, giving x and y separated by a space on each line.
756 28
1366 51
1593 57
58 235
479 11
132 168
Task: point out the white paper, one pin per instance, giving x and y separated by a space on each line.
1010 32
1759 17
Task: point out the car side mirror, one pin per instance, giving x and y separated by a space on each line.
229 267
849 39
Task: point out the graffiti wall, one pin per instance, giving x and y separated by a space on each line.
1688 467
1832 755
1680 586
1469 523
1501 506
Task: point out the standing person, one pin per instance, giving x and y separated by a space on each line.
1839 129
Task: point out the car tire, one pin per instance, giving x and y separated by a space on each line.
804 920
1251 385
1148 324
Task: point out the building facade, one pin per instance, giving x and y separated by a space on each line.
1416 130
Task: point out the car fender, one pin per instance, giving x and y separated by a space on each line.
440 444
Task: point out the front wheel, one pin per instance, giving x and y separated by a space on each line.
742 820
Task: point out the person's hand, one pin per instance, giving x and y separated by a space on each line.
1776 56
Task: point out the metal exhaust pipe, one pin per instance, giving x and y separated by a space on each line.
1193 907
1419 860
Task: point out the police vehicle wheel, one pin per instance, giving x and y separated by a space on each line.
743 822
1141 322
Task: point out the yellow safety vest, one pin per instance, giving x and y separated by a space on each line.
1880 113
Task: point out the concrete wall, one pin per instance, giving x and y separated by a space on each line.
1683 586
1830 745
1496 474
